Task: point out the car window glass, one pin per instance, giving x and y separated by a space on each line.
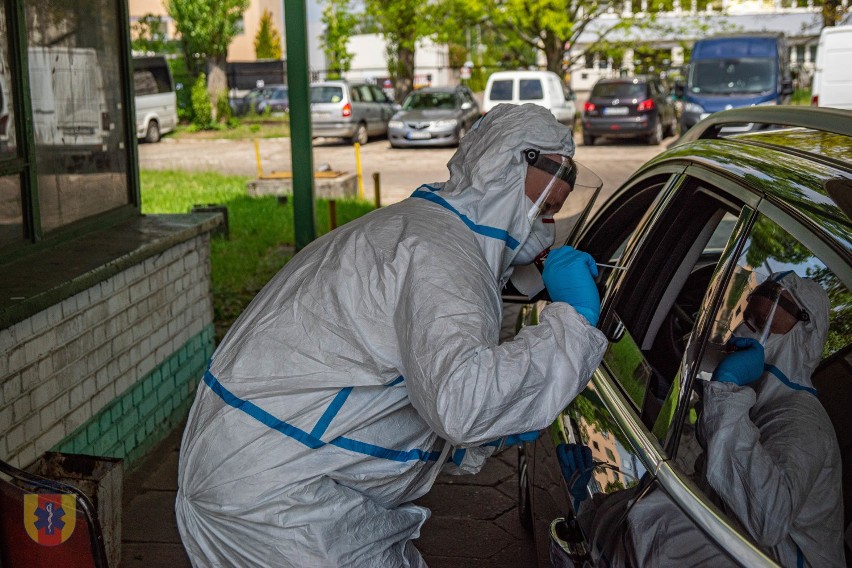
795 416
326 94
144 83
501 90
621 90
530 90
366 94
377 94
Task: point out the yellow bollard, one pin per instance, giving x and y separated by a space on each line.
358 170
257 157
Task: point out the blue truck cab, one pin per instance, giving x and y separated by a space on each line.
735 71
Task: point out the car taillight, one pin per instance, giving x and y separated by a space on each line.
645 105
347 110
587 106
105 120
815 101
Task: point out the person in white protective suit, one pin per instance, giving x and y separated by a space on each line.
771 455
771 452
371 361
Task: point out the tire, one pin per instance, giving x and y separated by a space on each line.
524 504
588 139
360 137
656 137
152 134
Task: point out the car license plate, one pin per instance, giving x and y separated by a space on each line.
615 111
419 136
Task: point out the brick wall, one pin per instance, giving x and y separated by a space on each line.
95 373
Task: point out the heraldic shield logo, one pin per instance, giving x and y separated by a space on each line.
50 518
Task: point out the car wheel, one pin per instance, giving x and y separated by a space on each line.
360 137
588 139
153 133
656 137
524 504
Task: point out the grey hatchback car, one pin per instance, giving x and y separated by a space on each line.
353 111
434 116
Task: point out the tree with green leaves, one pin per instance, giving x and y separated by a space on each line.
267 42
206 28
403 24
339 22
149 32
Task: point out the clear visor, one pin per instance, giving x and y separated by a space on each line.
551 178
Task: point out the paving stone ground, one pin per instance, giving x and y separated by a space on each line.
474 520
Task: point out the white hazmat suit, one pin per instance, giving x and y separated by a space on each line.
370 359
771 451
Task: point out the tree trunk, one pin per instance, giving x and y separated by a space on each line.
217 81
554 52
829 13
405 73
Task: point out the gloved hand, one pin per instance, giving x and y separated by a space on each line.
575 460
569 277
743 366
518 439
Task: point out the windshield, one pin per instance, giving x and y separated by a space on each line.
326 94
425 101
620 90
732 76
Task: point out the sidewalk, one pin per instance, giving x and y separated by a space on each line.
474 519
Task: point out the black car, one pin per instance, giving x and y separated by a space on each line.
629 107
678 234
272 97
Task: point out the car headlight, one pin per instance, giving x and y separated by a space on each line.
395 124
693 107
451 123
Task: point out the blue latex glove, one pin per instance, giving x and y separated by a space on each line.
569 277
743 366
575 460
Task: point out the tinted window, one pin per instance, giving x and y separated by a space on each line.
622 90
417 101
326 94
144 83
502 90
530 90
151 77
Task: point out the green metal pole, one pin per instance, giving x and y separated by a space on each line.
301 152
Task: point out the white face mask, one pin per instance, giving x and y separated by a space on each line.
541 238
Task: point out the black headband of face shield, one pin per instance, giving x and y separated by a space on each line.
537 160
771 291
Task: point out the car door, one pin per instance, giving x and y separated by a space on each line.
370 111
386 107
666 263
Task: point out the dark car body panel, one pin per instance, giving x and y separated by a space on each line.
614 109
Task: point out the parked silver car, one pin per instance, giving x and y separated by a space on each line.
434 116
354 111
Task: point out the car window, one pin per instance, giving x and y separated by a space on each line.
501 90
530 90
365 95
779 293
326 94
433 100
144 82
622 90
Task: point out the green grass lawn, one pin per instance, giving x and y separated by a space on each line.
261 231
246 127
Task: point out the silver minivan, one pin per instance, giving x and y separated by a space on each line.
354 111
156 102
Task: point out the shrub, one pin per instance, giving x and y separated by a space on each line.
202 110
223 108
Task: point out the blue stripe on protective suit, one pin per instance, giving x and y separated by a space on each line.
310 440
485 230
330 412
784 379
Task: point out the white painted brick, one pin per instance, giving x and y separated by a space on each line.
32 427
17 358
122 341
118 302
51 437
21 408
7 340
77 417
135 355
5 418
26 456
82 300
105 375
48 415
37 347
45 368
45 392
76 396
99 334
54 314
69 307
146 365
123 362
124 382
12 387
95 294
90 387
15 438
70 329
119 280
139 290
62 404
39 321
103 398
107 287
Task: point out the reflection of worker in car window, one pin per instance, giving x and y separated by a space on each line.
371 362
771 451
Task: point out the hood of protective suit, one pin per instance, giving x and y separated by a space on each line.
792 357
487 174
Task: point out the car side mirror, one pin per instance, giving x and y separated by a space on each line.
787 87
466 105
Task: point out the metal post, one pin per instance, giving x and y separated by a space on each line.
301 152
377 189
332 214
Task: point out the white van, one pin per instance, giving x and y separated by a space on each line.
832 83
156 102
544 88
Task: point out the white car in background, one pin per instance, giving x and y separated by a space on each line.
543 88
